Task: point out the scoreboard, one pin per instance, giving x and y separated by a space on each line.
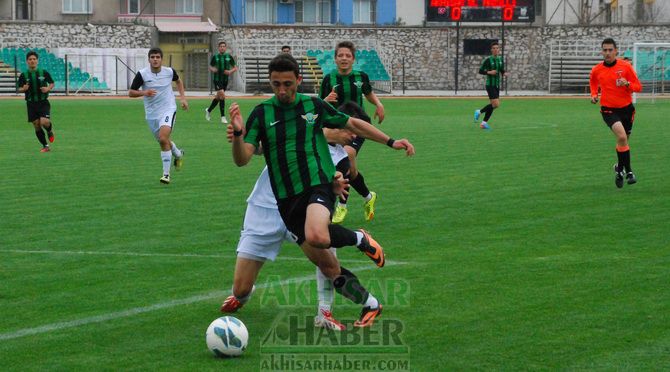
480 10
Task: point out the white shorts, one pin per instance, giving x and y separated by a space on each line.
165 120
263 233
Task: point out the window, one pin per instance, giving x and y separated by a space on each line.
189 7
312 11
133 6
364 11
258 11
77 6
22 9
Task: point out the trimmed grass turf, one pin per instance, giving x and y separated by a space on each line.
520 252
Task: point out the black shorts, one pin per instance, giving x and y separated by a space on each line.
293 210
220 84
493 92
343 166
626 115
357 143
39 109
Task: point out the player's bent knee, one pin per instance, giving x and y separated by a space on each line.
330 271
318 239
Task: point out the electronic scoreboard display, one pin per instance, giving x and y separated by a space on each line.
480 11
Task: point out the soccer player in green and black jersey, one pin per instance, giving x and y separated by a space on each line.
36 83
348 85
221 65
494 68
289 128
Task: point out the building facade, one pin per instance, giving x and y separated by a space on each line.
314 12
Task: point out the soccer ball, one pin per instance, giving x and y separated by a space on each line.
227 336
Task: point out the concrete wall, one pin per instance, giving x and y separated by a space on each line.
75 35
430 53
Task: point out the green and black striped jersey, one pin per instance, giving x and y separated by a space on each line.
492 63
222 62
35 79
350 87
295 148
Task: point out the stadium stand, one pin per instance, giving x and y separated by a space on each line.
71 77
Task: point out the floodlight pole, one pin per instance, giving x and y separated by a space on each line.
502 51
458 37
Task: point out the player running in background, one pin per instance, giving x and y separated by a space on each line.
159 106
348 85
222 65
617 81
36 83
289 127
493 67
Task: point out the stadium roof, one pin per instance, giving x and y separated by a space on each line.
176 26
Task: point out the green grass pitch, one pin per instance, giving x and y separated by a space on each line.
513 249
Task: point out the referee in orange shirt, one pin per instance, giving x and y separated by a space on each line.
617 81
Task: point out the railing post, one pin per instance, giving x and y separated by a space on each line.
403 76
116 74
16 74
66 76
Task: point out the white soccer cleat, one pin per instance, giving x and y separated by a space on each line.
325 320
224 120
207 115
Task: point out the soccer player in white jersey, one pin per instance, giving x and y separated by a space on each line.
160 107
262 236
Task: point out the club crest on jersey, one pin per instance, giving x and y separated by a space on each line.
310 118
358 84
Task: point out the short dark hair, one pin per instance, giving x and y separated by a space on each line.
354 110
282 63
221 42
346 44
155 50
285 47
609 40
32 53
494 44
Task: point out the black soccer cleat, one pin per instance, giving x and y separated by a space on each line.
630 178
618 177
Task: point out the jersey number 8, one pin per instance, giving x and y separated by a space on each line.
167 119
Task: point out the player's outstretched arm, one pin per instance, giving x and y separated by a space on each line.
242 151
364 129
379 110
182 94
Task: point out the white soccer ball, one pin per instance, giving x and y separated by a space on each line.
227 336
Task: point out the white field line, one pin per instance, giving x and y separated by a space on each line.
163 305
174 255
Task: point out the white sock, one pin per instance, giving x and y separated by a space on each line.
166 156
369 197
359 237
483 123
371 302
343 205
175 151
325 290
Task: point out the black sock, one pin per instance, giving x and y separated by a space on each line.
222 107
626 161
215 102
341 236
620 160
348 285
343 199
488 113
486 108
50 128
41 137
359 185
